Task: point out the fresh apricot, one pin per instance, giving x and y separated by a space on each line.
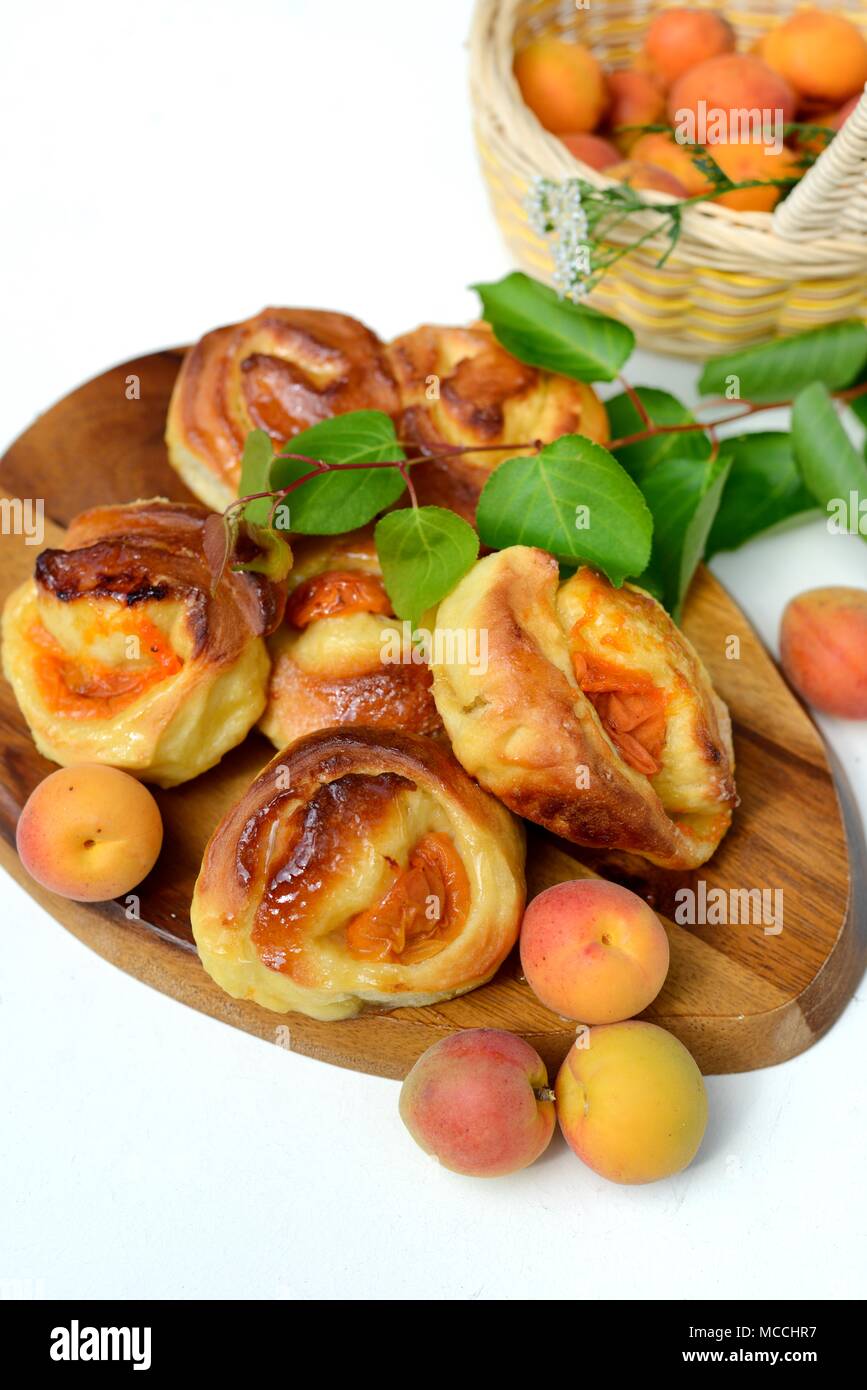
635 100
742 162
593 951
563 85
720 96
680 38
591 149
822 55
662 150
479 1101
631 1102
823 649
648 176
89 832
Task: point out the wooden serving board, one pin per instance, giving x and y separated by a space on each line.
738 996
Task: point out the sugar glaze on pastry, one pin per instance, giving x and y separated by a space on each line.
594 717
118 652
362 869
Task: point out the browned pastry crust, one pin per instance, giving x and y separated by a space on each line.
360 869
281 371
119 652
594 716
458 388
330 654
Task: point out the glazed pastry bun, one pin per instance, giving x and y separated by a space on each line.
592 716
281 371
118 652
459 387
362 869
339 657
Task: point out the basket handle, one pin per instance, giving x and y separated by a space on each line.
832 196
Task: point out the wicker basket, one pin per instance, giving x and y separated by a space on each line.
735 277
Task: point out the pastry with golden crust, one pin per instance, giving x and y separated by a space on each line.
593 716
362 869
281 371
458 387
340 656
119 653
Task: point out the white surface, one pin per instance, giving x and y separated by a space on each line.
174 166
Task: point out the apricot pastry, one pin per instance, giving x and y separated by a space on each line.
119 653
593 715
361 869
281 371
458 388
340 656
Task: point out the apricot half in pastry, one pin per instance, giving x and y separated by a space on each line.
361 869
118 652
592 715
340 656
281 371
458 388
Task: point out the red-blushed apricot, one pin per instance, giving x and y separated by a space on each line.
823 649
635 100
593 951
733 83
90 833
822 55
563 85
664 152
681 38
640 175
742 162
591 149
631 1102
479 1102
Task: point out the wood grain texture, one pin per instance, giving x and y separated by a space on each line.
737 996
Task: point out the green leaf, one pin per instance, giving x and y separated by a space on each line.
573 499
833 470
423 552
834 355
662 409
538 327
764 490
341 499
255 465
683 496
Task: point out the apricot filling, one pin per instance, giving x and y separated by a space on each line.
336 593
83 689
630 707
424 907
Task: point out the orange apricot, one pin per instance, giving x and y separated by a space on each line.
89 833
591 149
823 649
661 149
742 162
647 176
479 1102
563 85
822 55
680 38
635 100
726 97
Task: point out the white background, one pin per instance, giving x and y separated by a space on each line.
169 167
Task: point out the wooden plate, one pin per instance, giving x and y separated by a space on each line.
739 995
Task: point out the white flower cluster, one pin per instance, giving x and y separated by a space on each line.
557 212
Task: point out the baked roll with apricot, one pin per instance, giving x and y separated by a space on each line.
119 653
362 869
593 715
340 656
281 371
459 388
